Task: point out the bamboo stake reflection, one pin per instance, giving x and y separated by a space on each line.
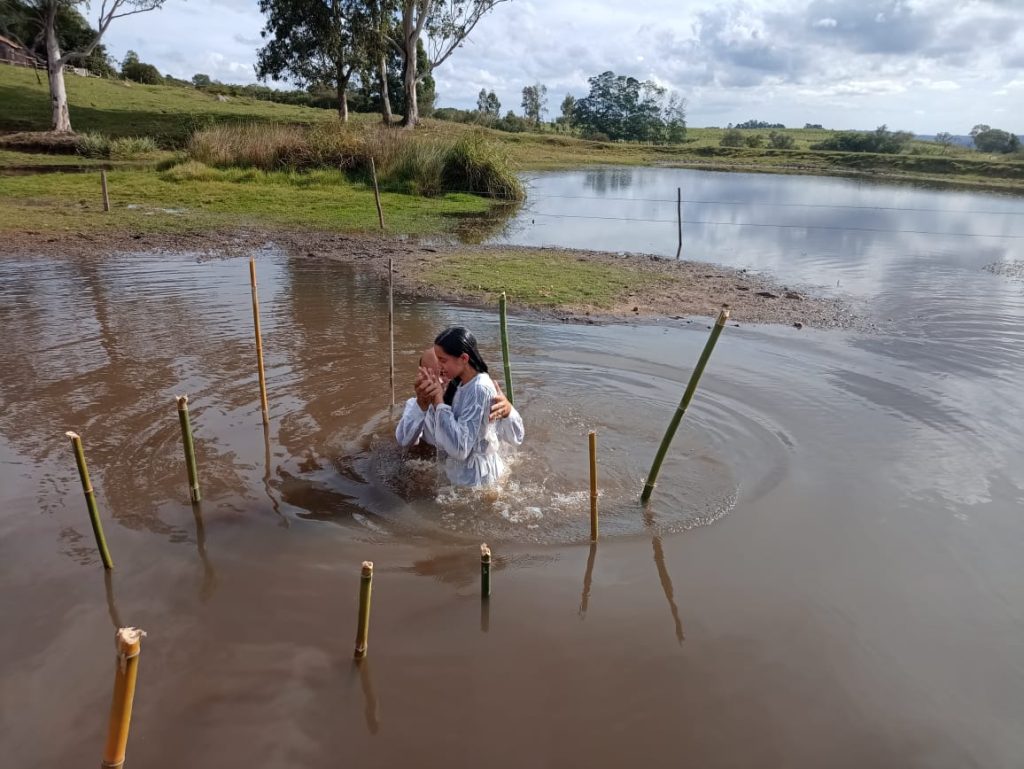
115 615
371 709
588 577
664 578
209 575
266 477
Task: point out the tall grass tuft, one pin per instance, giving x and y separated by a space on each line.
406 162
474 164
93 145
128 147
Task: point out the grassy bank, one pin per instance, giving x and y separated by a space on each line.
191 198
171 116
542 278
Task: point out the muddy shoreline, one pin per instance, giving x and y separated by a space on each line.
691 289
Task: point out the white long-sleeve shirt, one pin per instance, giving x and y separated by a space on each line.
413 427
467 436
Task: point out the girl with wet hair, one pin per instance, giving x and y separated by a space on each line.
458 415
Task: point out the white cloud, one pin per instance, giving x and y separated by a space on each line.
943 85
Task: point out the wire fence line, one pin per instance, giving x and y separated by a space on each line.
781 226
598 199
746 203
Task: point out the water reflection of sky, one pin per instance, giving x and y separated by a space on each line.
864 237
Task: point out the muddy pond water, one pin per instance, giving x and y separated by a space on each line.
829 574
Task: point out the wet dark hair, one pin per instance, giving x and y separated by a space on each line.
457 341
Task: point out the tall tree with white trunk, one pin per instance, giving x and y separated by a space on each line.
56 60
447 24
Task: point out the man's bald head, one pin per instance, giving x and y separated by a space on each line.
428 360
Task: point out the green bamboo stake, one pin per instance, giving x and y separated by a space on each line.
90 500
691 388
485 571
503 312
363 630
190 451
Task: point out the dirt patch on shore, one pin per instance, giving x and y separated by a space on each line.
663 288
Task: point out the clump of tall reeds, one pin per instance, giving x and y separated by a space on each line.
406 161
475 164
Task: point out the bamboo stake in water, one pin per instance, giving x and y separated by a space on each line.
259 341
691 388
391 326
376 192
593 486
503 314
90 499
363 629
485 571
679 219
190 451
128 641
103 185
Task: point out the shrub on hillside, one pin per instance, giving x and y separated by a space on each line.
880 140
732 138
780 141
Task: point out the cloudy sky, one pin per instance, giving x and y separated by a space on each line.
920 65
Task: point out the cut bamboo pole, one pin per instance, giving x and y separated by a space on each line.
190 451
376 192
103 185
691 388
391 326
485 571
129 644
259 341
90 499
363 629
593 486
503 314
679 219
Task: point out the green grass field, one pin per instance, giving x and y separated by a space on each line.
117 108
183 200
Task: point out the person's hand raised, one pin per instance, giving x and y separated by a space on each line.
423 386
501 407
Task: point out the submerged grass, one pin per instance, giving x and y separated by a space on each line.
541 278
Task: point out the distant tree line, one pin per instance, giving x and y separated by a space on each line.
617 108
757 124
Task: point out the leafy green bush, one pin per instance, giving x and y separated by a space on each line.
880 140
780 141
732 138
